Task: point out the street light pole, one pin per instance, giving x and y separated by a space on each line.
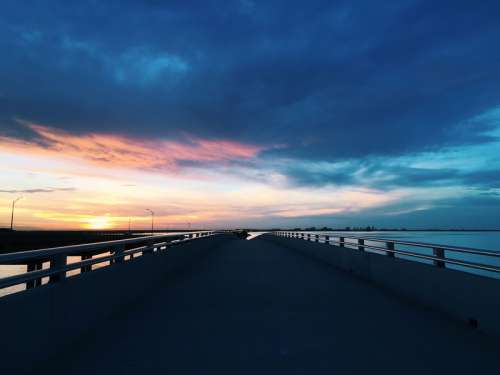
152 220
12 213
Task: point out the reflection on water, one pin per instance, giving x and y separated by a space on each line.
9 270
16 269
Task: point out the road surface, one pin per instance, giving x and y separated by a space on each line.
253 307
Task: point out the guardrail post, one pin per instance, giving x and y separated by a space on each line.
390 246
361 242
87 268
34 266
119 251
149 247
438 253
327 240
317 237
309 236
57 261
341 241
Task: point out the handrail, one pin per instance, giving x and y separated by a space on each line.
9 258
57 256
469 250
438 257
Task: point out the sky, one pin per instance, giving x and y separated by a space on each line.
241 113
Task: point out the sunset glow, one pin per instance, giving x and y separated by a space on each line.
222 186
317 123
119 151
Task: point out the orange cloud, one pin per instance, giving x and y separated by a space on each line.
111 150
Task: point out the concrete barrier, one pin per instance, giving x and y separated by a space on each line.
39 323
469 298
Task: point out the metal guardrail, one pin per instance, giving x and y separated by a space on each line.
390 248
57 257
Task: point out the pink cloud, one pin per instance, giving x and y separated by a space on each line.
111 150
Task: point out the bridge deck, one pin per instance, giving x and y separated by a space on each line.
252 307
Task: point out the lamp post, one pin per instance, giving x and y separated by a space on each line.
12 212
152 219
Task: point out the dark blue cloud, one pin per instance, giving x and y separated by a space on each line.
328 79
386 175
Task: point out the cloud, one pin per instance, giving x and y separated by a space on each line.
471 165
330 80
390 97
486 178
121 152
382 175
139 65
379 174
481 213
33 191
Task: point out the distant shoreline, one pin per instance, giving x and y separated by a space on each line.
7 230
387 230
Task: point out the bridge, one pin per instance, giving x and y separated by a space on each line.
284 302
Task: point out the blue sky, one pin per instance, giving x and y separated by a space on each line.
261 113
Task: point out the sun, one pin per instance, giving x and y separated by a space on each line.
98 222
